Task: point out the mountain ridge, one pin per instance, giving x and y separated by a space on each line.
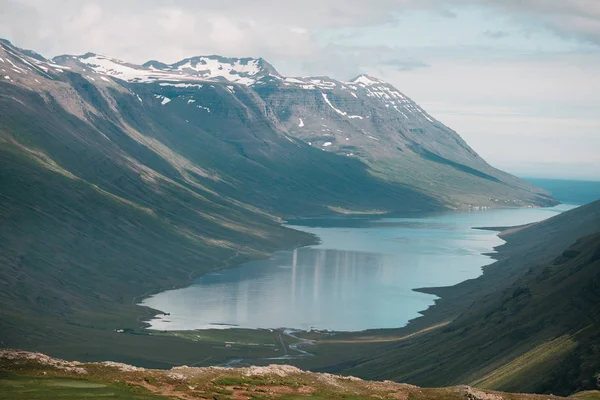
264 68
365 118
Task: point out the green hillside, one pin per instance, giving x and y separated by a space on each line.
531 322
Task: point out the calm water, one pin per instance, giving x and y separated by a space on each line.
570 192
361 276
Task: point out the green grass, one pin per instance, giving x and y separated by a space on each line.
239 337
240 381
587 395
14 387
254 381
525 371
222 391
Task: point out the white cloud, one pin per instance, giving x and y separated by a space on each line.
517 112
168 30
298 30
576 18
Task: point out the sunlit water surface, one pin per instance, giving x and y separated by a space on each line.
361 276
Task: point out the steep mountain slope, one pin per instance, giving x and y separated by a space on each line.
370 119
365 118
536 328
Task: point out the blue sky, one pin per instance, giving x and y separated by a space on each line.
517 79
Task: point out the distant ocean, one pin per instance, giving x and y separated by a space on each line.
569 192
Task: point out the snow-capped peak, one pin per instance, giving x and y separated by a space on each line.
110 66
366 80
245 71
239 70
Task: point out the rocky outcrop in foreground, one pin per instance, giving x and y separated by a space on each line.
271 382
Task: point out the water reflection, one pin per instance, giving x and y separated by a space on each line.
306 288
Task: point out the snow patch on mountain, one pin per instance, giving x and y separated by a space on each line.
337 110
332 106
192 73
109 66
366 80
164 99
213 69
182 85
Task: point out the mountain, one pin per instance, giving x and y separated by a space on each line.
119 180
532 322
370 119
244 71
365 118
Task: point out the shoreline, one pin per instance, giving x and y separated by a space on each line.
417 321
226 264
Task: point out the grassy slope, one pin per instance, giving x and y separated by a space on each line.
68 301
540 319
16 387
274 173
34 376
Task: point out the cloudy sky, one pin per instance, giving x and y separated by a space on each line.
518 79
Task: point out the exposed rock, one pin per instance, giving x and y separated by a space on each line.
475 394
279 370
25 356
122 367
